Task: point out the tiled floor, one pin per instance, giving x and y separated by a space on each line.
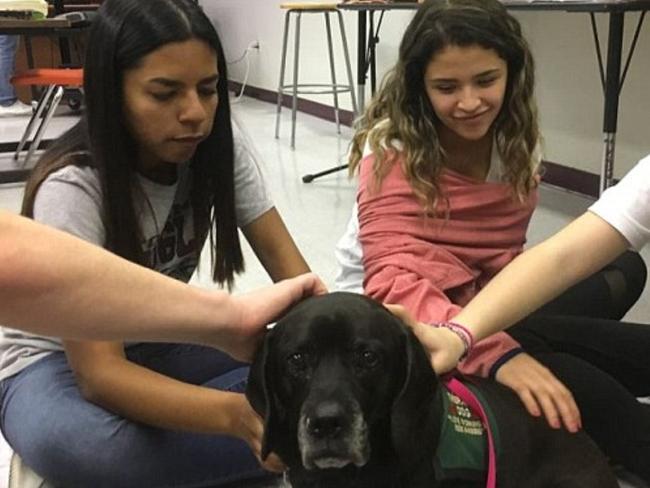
315 213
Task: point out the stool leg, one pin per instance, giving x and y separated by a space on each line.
348 66
283 64
54 103
333 72
294 105
42 103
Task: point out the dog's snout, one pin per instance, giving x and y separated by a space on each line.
327 421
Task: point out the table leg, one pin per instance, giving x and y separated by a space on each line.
361 60
58 7
612 92
371 54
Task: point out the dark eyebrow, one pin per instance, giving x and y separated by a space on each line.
209 80
488 73
480 75
443 80
166 82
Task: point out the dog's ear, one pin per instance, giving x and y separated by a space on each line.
414 425
260 394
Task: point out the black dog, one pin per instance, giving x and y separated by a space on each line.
349 399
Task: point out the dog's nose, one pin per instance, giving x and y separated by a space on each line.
326 421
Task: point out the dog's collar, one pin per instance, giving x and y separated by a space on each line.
468 397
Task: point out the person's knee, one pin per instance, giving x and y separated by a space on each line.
128 454
626 277
83 456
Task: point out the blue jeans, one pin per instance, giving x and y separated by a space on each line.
8 47
74 443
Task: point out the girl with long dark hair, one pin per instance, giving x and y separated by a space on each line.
153 171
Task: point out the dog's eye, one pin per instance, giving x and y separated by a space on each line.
368 359
297 361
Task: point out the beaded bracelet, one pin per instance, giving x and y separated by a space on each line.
463 333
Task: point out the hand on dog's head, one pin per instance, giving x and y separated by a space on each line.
341 382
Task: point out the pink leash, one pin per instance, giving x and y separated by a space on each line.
462 392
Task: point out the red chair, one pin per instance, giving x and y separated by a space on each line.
55 81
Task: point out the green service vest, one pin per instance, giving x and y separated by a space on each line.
463 445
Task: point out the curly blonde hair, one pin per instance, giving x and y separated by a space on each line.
401 110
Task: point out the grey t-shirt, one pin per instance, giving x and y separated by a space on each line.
70 199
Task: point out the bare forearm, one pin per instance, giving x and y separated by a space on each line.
541 273
48 278
274 247
507 298
142 395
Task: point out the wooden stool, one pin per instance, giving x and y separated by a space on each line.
296 88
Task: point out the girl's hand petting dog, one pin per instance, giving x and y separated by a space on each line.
442 345
539 390
248 425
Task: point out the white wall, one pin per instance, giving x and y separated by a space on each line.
568 85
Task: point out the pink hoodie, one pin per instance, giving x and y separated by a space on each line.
434 266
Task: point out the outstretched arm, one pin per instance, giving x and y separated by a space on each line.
54 284
528 282
542 273
532 279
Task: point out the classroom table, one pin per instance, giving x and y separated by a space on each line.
610 73
51 27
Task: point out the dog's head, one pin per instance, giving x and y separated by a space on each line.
340 380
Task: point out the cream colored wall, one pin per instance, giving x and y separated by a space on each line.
568 87
569 90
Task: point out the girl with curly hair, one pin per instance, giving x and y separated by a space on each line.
448 156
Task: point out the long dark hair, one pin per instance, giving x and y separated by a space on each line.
402 112
123 32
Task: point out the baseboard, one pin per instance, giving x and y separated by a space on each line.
571 179
13 176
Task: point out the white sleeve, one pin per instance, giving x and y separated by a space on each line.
70 200
626 206
349 255
252 198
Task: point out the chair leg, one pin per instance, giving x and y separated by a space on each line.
348 66
283 64
42 103
333 72
54 103
294 105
